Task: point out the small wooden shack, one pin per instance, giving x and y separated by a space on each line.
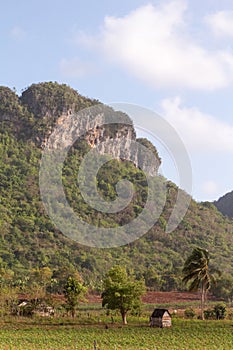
160 318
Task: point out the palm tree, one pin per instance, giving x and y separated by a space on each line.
196 270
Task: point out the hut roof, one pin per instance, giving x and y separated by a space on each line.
160 312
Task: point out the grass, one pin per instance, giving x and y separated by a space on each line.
64 334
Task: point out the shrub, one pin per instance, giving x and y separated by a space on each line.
209 314
189 313
220 311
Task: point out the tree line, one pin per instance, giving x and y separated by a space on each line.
121 290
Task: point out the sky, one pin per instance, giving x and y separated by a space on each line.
173 57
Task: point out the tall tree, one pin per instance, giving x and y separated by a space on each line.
198 275
39 280
121 291
73 291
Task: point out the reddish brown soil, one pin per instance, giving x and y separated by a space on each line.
169 297
148 298
159 297
93 298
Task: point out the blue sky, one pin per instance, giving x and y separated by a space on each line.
174 57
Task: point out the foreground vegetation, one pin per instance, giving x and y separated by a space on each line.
64 334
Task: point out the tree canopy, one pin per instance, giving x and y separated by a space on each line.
74 291
196 271
121 291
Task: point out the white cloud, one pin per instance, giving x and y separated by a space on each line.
75 68
221 23
152 43
17 33
199 131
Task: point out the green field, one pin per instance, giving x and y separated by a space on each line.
49 334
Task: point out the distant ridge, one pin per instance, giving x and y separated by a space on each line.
225 204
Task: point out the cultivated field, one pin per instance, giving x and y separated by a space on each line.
92 324
184 335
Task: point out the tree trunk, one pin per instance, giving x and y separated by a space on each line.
123 315
202 301
73 313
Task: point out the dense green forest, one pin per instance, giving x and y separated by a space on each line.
29 241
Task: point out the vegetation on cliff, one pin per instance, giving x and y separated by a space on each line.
28 238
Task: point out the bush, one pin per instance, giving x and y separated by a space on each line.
220 311
217 313
209 314
189 313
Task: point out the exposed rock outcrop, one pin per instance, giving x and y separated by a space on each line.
55 113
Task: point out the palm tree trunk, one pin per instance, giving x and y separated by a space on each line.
202 300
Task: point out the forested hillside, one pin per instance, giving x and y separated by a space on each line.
28 238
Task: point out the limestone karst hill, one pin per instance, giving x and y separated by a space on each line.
28 238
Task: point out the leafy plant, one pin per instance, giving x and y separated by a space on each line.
121 291
189 313
220 311
74 291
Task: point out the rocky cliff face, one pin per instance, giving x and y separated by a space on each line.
46 107
117 140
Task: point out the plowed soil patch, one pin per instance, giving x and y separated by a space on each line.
159 297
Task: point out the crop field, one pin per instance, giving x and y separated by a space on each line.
47 335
